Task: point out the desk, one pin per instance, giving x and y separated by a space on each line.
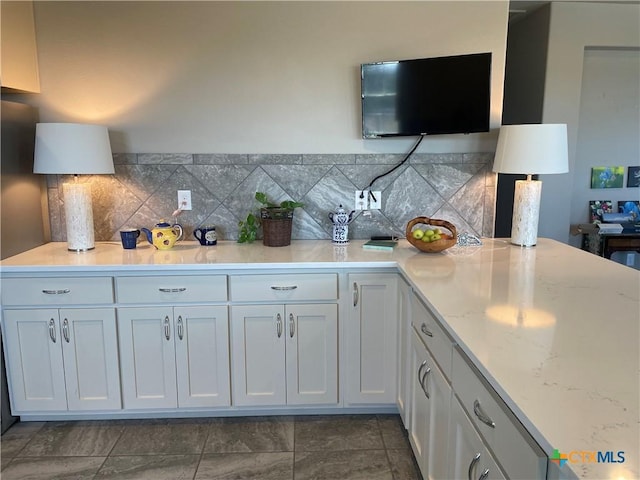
606 244
611 243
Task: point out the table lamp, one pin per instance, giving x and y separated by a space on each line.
74 149
530 149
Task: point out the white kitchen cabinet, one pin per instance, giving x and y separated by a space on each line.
403 396
62 359
285 354
517 453
371 339
430 411
468 455
174 356
437 341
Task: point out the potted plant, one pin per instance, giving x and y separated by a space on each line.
276 220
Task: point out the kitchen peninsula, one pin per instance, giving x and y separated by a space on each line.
551 331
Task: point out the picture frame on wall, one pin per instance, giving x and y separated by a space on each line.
633 177
607 177
597 208
629 207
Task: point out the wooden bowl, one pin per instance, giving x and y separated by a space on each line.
447 240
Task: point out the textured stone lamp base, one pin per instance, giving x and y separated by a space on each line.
79 216
526 211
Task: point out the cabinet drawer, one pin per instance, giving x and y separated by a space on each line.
514 448
172 289
432 334
57 291
292 287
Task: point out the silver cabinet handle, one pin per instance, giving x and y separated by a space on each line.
65 330
289 287
180 327
292 325
173 290
472 465
422 382
484 475
56 292
52 330
167 328
356 294
425 330
422 365
482 416
279 325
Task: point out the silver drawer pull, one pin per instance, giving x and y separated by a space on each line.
173 290
279 325
482 416
422 365
292 325
167 328
180 328
484 475
52 330
356 294
472 466
423 382
65 330
56 292
425 330
289 287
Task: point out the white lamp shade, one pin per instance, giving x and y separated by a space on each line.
532 149
72 148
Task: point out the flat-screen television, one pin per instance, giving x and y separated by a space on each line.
427 96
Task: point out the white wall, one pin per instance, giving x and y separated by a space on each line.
575 27
609 132
248 77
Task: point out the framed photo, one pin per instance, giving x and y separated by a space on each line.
633 177
597 208
607 177
629 207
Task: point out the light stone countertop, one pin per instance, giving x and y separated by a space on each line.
569 368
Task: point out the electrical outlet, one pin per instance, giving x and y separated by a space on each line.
361 199
377 203
184 199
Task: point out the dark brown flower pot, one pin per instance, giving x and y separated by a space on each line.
276 226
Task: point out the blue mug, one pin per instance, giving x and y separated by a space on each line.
129 237
206 235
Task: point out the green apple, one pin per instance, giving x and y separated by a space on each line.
428 233
418 234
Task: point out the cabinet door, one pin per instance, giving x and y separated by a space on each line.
90 351
258 358
312 354
202 356
371 339
431 405
468 456
34 360
147 357
419 404
403 398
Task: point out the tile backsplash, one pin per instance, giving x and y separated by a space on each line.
458 187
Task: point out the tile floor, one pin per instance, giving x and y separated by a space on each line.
344 447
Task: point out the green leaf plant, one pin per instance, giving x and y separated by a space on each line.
248 228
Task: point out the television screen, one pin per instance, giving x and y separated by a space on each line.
428 96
